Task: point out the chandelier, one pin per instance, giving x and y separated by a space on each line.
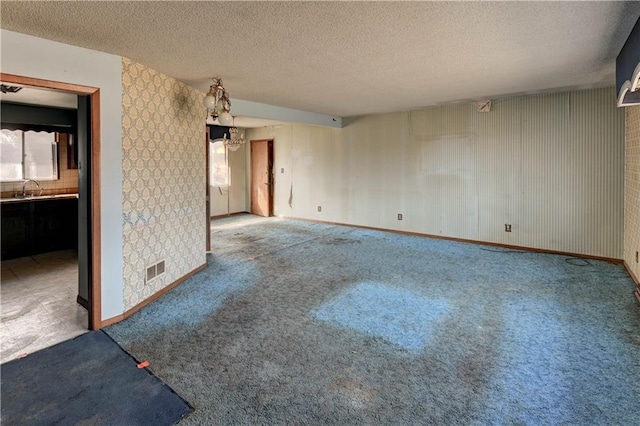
218 103
234 143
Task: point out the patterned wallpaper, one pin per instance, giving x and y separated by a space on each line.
163 165
632 189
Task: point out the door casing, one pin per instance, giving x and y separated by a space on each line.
95 295
208 192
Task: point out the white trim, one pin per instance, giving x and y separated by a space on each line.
630 86
635 78
623 91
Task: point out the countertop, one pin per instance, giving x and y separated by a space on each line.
37 198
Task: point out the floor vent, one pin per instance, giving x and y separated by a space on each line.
154 271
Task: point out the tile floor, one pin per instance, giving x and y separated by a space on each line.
38 303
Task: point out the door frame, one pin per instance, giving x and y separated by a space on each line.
95 294
270 161
208 192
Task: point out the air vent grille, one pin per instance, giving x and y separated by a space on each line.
154 271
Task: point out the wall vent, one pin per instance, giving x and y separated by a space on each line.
154 271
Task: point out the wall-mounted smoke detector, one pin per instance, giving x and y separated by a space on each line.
9 89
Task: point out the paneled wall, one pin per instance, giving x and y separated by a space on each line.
551 166
632 190
163 188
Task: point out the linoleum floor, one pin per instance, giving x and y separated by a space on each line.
38 303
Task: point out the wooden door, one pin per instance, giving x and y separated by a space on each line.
262 177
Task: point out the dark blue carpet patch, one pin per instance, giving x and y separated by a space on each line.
86 380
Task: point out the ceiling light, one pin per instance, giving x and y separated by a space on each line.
234 143
218 103
9 89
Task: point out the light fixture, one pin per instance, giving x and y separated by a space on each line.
234 143
9 89
218 103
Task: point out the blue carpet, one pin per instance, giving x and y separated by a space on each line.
398 315
305 323
87 380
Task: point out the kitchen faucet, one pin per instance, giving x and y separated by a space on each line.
24 187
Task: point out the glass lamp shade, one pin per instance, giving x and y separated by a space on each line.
225 118
210 101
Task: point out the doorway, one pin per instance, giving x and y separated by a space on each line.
208 195
88 144
262 177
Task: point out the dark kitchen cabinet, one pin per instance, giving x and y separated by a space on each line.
15 229
38 226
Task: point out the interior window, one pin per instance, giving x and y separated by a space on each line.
219 172
28 155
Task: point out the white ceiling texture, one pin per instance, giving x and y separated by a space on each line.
350 58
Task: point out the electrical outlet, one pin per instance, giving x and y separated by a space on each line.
399 216
282 170
319 208
507 227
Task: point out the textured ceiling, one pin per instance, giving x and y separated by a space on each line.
350 58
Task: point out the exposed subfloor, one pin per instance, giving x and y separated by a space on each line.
38 303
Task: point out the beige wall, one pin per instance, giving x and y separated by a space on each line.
163 188
632 190
549 165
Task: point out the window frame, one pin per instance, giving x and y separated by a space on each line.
55 158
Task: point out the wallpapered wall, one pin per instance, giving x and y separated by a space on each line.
632 190
163 188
